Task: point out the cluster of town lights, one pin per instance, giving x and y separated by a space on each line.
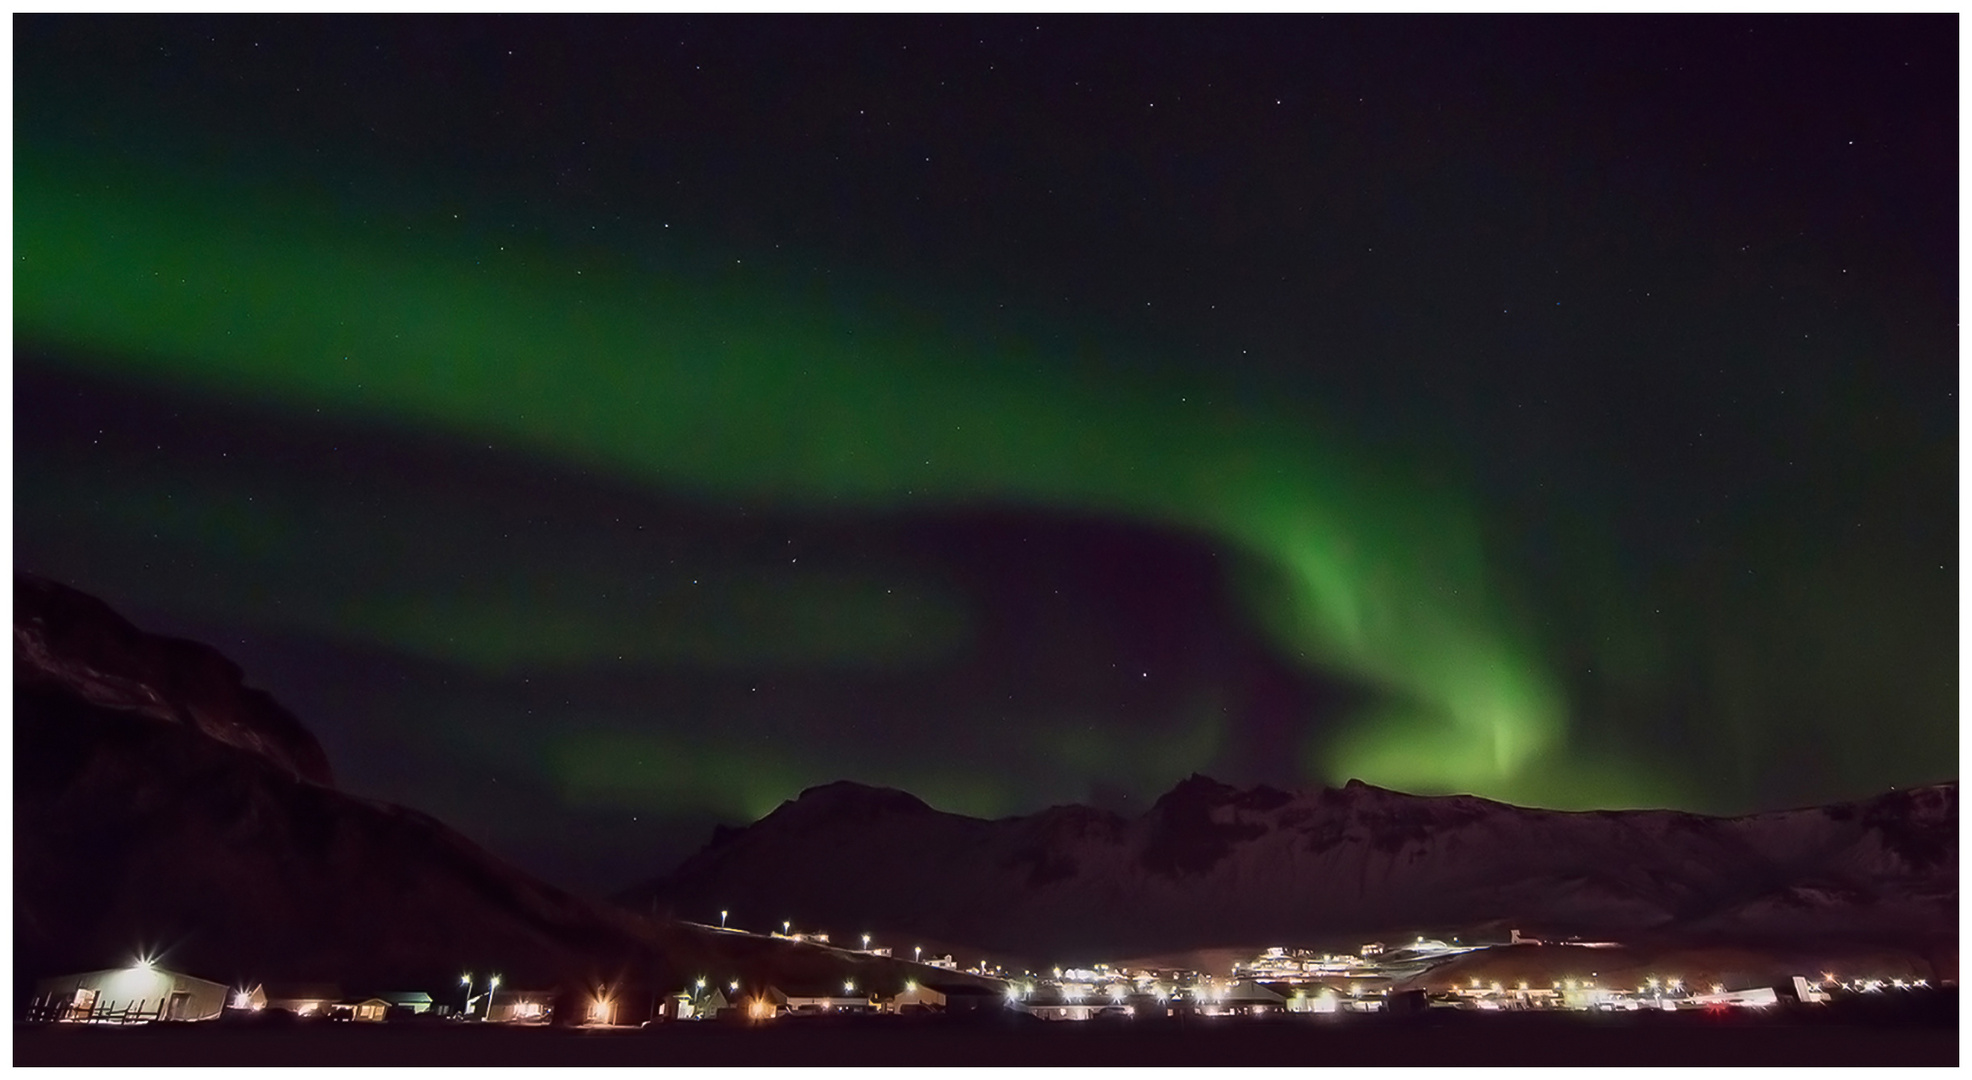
1085 990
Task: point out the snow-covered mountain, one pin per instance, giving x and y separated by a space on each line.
1212 865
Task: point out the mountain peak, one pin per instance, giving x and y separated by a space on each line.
849 795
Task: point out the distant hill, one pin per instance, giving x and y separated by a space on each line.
1210 865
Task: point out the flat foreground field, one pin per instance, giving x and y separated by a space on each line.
1923 1035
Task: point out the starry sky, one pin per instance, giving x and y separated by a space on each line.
599 429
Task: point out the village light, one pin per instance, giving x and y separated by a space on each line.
849 987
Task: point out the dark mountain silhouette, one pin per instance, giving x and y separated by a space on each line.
1210 865
163 807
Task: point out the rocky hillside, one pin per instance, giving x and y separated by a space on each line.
1210 865
71 645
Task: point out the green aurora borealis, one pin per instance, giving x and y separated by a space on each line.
722 390
1572 612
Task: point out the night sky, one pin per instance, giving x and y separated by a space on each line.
599 429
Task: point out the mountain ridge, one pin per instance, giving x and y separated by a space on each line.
1210 864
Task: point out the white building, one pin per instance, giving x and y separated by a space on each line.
139 992
1757 998
1807 992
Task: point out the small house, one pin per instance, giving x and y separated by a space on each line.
362 1010
1056 1003
302 999
415 1002
698 1004
1249 998
969 997
520 1006
1323 1000
801 999
916 997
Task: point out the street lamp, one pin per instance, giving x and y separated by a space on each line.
722 918
491 985
915 950
787 927
466 981
866 943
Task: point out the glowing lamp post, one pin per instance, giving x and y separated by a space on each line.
491 985
722 918
866 943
